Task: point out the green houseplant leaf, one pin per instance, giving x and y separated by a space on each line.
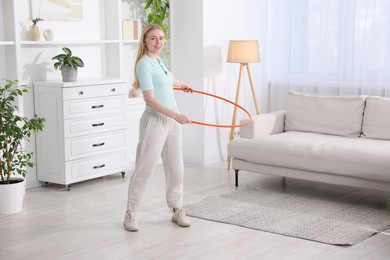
157 12
66 59
14 129
36 20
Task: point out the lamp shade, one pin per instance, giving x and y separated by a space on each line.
243 51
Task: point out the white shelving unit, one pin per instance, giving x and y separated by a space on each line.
97 39
7 39
86 42
102 49
4 43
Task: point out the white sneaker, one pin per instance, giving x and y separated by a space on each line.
180 218
130 223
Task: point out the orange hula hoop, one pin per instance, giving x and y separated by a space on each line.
224 99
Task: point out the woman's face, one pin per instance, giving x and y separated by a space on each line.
154 41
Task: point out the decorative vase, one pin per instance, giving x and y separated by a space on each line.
69 74
48 34
11 196
34 34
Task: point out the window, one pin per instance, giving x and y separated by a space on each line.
332 40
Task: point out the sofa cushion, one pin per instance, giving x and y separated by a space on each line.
376 120
358 157
325 114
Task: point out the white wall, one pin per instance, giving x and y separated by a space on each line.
202 30
187 45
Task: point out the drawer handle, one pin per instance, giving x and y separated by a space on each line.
113 89
99 166
97 106
81 92
97 145
99 124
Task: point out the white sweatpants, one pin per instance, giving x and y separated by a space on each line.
159 135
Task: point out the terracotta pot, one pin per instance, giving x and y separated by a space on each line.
34 34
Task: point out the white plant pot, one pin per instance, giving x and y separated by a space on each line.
69 74
11 197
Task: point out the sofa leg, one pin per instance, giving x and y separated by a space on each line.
236 173
284 182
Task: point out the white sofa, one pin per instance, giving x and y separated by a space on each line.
339 140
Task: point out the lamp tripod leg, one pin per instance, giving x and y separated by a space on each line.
235 109
253 89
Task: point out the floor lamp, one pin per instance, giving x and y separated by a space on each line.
243 52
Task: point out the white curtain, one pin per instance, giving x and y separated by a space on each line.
328 47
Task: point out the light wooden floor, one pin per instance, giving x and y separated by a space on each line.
86 223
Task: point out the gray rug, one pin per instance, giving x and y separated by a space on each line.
306 217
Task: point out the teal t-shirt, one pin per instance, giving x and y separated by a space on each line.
152 74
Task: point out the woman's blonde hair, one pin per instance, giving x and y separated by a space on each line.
142 50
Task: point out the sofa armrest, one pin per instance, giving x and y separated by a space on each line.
264 124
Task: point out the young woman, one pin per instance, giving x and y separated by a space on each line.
160 129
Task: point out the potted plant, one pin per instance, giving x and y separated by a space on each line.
14 130
68 65
34 34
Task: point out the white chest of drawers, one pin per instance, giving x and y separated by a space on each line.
86 129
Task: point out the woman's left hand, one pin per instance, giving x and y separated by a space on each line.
187 89
184 86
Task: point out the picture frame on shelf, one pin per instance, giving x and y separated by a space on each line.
57 10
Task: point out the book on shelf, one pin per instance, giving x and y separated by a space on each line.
131 29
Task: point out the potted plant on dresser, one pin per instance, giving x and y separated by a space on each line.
68 64
14 160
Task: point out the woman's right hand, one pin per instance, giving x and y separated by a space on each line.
182 119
